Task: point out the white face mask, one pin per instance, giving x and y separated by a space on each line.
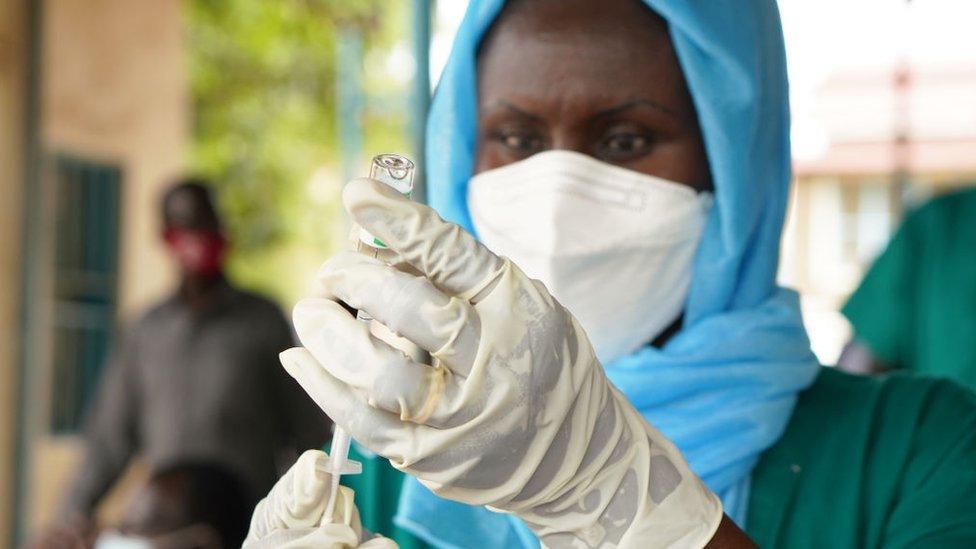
614 246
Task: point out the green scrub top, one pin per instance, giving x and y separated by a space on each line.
377 494
916 307
870 462
864 462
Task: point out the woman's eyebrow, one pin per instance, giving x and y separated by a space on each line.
502 104
633 104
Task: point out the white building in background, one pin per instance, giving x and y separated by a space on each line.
853 179
890 139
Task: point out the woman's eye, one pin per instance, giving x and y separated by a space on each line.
626 144
520 142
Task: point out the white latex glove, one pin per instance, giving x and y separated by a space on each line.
517 414
291 516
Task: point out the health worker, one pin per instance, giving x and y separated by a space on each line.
614 364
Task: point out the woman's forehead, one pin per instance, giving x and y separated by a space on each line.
571 51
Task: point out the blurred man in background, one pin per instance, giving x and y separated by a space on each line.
916 307
197 378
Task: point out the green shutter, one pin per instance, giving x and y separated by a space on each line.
85 283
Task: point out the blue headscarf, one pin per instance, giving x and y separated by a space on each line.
724 387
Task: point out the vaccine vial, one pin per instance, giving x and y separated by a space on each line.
395 171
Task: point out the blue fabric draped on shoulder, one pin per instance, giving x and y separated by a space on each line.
724 388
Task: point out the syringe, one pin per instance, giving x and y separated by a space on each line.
397 172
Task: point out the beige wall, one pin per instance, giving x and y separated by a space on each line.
13 49
113 89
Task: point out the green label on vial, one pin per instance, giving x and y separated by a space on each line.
377 243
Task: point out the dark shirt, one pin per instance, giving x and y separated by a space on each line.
201 385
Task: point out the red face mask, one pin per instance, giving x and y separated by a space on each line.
197 252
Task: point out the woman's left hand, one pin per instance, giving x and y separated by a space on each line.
516 414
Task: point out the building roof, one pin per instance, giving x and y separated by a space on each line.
861 116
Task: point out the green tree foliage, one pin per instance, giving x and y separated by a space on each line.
262 79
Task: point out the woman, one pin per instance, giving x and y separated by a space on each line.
634 157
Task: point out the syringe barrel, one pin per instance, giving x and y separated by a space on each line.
395 171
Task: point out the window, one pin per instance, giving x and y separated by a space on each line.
85 283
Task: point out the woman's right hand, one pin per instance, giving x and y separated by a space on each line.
517 414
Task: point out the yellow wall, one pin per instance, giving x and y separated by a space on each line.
13 48
113 89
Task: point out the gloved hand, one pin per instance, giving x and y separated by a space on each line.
291 516
516 413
